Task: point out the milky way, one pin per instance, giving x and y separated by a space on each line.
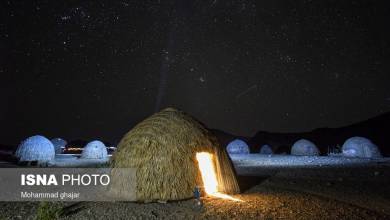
94 69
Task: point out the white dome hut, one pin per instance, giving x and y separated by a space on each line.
59 144
266 149
304 147
237 147
360 147
35 148
94 150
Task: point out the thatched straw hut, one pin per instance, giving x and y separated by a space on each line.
59 145
94 150
237 146
304 147
164 150
266 149
35 148
360 147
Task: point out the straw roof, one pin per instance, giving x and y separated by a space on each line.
304 147
35 148
94 150
360 147
266 149
237 147
59 144
163 148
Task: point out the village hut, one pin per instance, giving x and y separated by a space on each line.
266 149
35 148
304 147
237 146
173 154
360 147
59 145
94 150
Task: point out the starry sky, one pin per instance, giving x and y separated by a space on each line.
93 69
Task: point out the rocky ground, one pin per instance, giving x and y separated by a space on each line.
316 193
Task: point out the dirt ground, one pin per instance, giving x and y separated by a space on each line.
344 193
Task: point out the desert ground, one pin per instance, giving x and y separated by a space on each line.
317 192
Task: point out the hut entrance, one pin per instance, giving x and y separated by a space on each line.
209 177
207 170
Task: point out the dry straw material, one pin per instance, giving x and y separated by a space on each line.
163 149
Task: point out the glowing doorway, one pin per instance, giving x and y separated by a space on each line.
207 170
209 177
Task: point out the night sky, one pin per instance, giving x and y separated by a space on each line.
93 69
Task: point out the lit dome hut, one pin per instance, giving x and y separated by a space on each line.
360 147
35 148
237 147
173 153
266 149
94 150
304 147
59 144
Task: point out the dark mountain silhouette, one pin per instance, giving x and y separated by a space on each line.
225 138
376 129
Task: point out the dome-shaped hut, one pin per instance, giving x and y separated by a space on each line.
59 145
304 147
173 153
360 147
237 147
266 149
94 150
35 148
